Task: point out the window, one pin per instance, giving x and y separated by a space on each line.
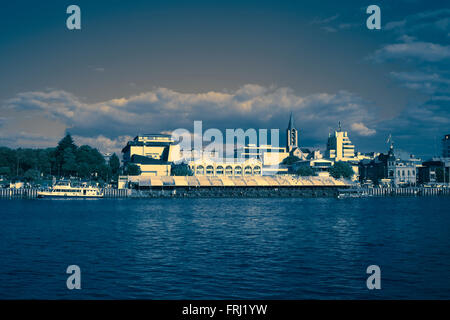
219 170
229 171
257 170
200 170
248 171
237 171
209 170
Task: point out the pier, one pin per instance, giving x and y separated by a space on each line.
31 193
410 191
238 192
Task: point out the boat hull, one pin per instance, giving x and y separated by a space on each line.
53 195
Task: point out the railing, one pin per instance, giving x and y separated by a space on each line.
409 191
31 193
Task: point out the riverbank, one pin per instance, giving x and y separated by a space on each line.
242 192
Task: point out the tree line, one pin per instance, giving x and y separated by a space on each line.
63 161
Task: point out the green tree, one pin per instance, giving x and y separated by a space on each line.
114 164
31 175
90 163
305 171
341 169
64 144
132 170
181 169
69 164
290 160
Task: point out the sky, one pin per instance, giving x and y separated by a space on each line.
156 66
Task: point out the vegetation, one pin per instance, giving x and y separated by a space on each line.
341 169
181 169
64 161
132 170
305 171
290 160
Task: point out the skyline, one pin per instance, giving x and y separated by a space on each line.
136 68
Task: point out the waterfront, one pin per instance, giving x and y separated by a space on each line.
226 248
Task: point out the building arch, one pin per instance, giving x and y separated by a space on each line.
209 170
200 170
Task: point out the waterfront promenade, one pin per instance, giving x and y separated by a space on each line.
241 192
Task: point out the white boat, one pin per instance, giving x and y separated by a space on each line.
65 189
352 193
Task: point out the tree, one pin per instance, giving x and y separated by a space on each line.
132 170
305 171
114 164
31 175
341 169
69 164
181 169
290 160
64 144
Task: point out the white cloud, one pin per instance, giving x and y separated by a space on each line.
102 143
422 51
361 129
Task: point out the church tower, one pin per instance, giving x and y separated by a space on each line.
291 135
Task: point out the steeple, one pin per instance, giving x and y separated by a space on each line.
291 135
291 122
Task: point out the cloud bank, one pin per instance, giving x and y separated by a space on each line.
109 123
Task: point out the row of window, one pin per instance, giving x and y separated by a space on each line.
248 170
406 172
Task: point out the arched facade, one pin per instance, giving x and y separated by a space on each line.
249 167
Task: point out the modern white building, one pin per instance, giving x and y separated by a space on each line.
152 153
339 146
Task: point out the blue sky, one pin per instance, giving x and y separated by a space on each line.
155 66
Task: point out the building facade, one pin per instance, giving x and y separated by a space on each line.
390 168
446 146
232 168
152 153
339 146
432 171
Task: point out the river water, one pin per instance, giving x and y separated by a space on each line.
226 248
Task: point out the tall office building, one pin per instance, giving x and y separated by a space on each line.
339 146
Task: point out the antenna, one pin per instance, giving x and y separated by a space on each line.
390 140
